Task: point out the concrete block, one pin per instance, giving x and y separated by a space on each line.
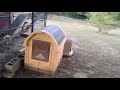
67 46
8 75
44 71
68 53
13 65
52 72
33 68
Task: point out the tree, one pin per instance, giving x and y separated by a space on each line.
71 14
78 15
100 19
83 15
115 16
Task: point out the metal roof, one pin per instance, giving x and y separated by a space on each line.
56 31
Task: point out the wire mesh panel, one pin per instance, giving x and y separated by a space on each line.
15 22
40 50
41 19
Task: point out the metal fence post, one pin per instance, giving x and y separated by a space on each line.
9 18
32 22
45 20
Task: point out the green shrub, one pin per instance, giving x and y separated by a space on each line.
78 15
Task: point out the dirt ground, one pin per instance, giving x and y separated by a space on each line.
95 55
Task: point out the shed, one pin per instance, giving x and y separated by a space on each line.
44 49
4 20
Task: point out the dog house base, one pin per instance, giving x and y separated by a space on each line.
40 70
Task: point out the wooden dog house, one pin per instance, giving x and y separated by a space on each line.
44 49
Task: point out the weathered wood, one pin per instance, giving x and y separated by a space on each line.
22 52
13 36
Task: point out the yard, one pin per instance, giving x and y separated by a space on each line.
96 55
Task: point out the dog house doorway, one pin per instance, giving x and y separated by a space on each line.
40 50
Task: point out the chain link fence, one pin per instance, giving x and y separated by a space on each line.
12 23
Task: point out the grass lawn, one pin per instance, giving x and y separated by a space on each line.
95 55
